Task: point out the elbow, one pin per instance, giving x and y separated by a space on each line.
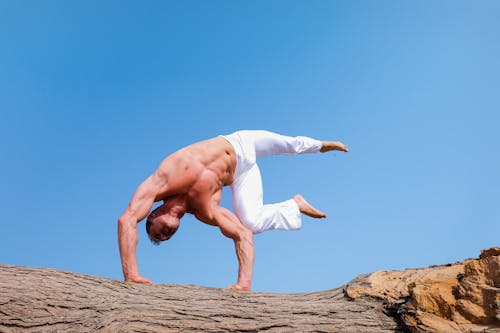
245 235
124 221
239 235
248 233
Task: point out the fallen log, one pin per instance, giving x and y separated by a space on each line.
460 297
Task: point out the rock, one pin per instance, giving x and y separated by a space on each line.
491 252
463 297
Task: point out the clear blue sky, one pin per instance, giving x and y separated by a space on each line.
94 94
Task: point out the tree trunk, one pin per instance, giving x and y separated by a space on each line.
48 300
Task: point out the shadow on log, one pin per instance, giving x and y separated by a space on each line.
460 297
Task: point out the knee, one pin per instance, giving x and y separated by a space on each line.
252 223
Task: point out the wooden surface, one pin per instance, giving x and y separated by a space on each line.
46 300
459 297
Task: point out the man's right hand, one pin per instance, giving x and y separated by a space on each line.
138 279
128 237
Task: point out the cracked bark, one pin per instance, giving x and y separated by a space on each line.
47 300
459 297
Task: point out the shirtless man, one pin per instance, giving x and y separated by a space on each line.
191 181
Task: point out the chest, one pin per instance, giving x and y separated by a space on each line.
202 196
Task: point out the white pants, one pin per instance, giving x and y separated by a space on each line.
247 186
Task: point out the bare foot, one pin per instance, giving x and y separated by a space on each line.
306 208
333 145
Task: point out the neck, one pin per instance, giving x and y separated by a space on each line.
178 206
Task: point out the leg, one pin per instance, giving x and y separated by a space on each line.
306 208
247 187
268 143
249 207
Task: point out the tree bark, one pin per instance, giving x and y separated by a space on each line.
434 299
47 300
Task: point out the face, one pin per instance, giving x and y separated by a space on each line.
163 226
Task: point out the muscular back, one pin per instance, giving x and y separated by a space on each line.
199 170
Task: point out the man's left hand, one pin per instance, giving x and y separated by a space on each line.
138 279
238 287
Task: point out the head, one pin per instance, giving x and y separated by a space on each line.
162 224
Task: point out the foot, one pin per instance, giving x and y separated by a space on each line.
306 208
333 145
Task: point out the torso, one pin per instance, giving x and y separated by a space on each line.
199 171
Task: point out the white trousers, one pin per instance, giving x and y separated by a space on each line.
247 186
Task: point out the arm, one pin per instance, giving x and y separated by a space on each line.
138 208
231 227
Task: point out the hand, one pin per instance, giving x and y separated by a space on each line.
238 287
138 279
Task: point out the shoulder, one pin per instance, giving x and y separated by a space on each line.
207 214
179 163
206 217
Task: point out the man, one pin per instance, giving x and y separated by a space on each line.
191 181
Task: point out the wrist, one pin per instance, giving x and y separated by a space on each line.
244 284
131 276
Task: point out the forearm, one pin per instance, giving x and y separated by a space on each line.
127 241
245 253
243 241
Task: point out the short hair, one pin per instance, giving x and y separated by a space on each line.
148 226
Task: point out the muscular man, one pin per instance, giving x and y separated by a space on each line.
191 181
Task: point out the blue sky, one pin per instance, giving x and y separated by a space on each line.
94 94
